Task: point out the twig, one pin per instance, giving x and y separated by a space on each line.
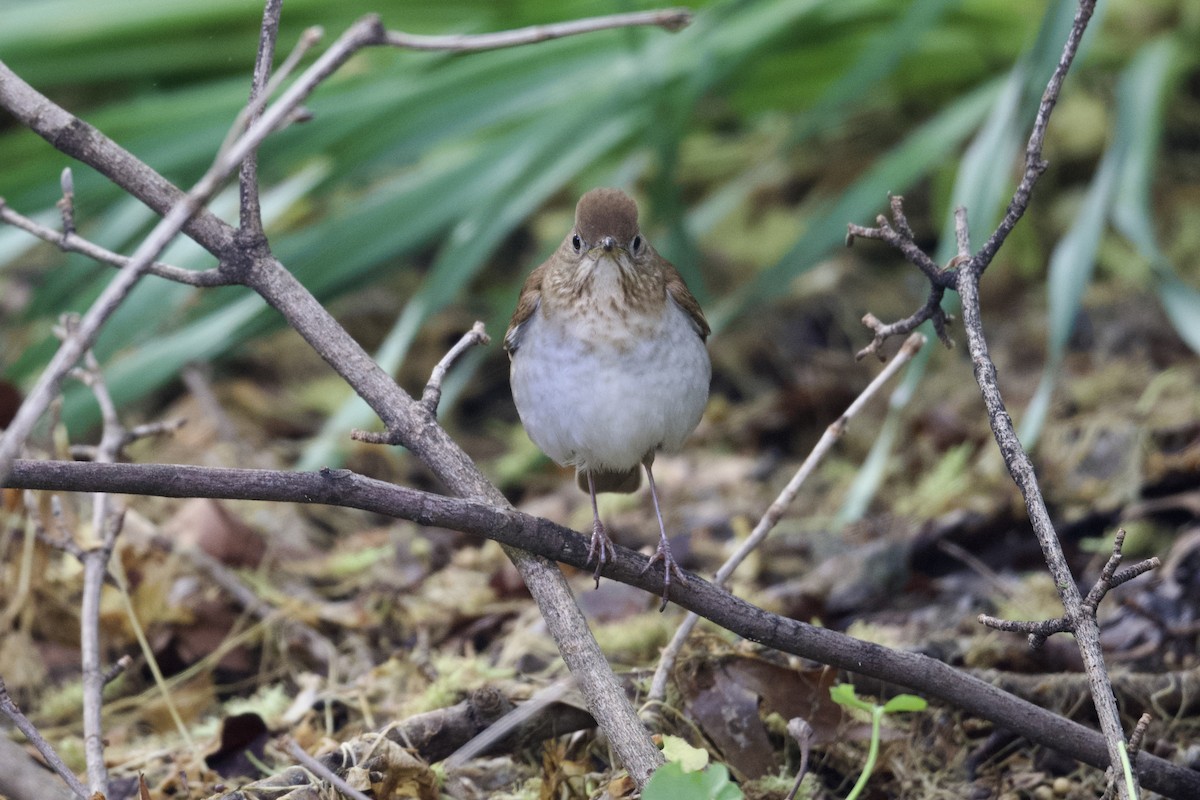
799 729
932 311
324 772
106 525
95 568
1135 745
901 237
117 669
671 19
144 431
262 86
1035 165
666 662
514 529
1083 622
30 731
1109 579
433 390
66 205
73 243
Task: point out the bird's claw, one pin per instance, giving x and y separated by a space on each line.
670 566
601 550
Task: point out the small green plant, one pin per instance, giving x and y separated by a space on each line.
843 694
687 775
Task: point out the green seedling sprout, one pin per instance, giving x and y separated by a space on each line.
843 694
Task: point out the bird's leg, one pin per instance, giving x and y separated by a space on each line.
602 547
663 553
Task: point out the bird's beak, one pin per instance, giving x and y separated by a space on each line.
608 247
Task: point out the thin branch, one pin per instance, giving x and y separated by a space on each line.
146 430
250 213
803 733
932 311
899 234
31 733
1079 618
66 205
902 238
672 19
433 390
73 243
1108 580
539 536
117 669
834 432
95 569
106 525
1035 165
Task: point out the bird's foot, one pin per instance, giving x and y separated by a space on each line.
601 550
670 567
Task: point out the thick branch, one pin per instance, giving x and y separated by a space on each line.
928 676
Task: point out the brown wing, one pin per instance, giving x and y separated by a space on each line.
531 297
678 291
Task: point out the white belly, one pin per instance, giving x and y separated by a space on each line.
598 406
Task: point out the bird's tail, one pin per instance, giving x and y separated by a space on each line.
623 481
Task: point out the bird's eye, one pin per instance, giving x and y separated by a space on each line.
637 243
577 243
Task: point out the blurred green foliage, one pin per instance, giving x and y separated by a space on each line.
753 136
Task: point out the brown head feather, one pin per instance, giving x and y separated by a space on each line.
606 212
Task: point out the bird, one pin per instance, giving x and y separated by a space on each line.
609 361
